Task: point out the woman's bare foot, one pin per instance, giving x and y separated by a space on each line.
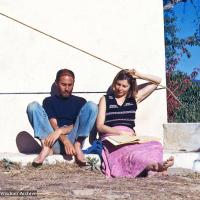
46 151
155 167
80 158
158 169
168 163
157 174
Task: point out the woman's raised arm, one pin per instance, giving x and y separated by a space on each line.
145 89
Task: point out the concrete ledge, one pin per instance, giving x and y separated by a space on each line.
182 136
25 159
187 160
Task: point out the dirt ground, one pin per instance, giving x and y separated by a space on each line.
68 181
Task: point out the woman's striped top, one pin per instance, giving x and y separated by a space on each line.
117 115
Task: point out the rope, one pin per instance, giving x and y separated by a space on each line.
83 51
12 93
61 41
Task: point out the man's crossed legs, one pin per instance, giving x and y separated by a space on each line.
71 143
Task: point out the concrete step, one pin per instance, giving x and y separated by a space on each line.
187 160
25 159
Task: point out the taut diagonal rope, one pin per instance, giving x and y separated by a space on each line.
61 41
83 51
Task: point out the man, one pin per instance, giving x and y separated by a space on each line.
64 121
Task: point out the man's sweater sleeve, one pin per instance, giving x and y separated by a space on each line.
48 107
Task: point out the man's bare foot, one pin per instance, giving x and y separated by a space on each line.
80 158
69 147
46 151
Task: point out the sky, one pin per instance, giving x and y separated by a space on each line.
186 14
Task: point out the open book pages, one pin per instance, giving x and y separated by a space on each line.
125 139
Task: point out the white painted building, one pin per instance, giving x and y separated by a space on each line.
128 33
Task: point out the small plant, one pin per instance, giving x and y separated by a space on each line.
7 164
92 163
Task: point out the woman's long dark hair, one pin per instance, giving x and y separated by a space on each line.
125 75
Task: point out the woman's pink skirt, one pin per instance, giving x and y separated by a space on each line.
129 160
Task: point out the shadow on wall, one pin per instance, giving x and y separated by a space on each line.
54 90
93 134
27 144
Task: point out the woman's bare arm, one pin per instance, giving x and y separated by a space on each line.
144 90
101 127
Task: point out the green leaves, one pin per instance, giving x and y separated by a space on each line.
180 83
92 163
188 92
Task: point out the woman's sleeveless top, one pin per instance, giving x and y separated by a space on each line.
117 115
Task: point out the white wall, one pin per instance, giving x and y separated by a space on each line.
128 33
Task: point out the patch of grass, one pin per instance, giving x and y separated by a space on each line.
92 163
8 164
194 175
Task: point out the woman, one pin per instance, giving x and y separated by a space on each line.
116 117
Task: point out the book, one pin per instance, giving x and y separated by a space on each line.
126 139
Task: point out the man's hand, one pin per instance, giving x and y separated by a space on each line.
69 148
66 129
51 139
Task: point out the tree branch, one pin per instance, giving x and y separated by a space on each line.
171 4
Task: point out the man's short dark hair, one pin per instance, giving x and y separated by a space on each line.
64 72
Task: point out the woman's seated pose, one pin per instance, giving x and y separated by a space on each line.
117 116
